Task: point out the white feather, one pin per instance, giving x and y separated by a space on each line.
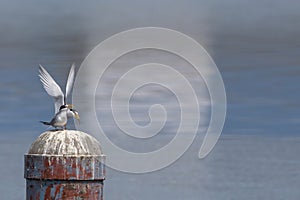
70 81
52 88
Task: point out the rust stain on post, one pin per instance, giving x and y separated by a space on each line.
64 165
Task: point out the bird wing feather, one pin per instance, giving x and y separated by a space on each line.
52 88
70 80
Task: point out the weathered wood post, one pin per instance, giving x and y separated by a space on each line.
64 164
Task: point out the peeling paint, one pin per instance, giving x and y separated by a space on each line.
60 167
52 189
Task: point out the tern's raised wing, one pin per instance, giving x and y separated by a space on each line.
70 81
52 88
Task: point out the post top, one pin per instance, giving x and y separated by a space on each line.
65 142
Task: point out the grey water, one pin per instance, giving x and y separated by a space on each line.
256 47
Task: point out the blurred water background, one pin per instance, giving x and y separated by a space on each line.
256 46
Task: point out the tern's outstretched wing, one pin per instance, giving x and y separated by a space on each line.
51 88
70 81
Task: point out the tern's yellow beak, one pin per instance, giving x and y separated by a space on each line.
70 106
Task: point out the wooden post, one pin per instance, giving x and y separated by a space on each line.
64 164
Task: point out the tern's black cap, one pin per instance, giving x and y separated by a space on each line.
62 107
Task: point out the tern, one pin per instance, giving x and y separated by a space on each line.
63 111
61 118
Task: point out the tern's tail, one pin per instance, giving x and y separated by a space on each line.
46 123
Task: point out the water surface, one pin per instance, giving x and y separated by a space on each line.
256 47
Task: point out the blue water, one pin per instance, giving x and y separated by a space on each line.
256 47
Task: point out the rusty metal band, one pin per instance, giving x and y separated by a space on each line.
64 167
